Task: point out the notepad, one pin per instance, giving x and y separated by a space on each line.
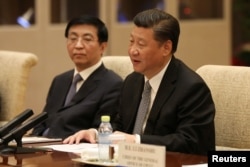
35 139
74 148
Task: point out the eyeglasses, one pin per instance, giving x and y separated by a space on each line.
85 40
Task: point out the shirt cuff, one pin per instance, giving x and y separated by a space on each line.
137 139
96 133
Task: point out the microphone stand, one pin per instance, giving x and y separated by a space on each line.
6 148
17 135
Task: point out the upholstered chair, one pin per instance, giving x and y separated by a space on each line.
230 87
119 64
14 73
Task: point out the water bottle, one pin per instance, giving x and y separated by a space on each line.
105 129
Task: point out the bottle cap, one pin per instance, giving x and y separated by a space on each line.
105 118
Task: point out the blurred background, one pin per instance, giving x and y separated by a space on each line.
212 32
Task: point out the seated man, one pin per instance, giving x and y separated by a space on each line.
163 102
97 88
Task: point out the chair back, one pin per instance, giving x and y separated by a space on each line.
15 69
230 88
119 64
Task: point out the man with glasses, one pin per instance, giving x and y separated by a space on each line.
77 98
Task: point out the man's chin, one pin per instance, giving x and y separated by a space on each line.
139 70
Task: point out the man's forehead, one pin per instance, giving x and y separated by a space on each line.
142 33
83 30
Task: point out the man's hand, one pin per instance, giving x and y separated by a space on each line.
128 137
86 135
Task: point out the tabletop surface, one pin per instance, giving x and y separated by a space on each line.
64 159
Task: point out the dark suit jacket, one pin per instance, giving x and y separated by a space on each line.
182 115
97 96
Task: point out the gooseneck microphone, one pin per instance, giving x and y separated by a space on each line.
18 133
16 121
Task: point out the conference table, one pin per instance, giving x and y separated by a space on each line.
65 159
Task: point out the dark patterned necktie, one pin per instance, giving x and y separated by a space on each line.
72 90
143 109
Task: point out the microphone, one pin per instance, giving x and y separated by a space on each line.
18 133
19 119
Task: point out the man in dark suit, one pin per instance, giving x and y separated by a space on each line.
180 113
97 89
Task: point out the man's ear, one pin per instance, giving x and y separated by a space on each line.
167 46
103 46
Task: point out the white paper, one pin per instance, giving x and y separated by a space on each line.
90 153
74 148
195 165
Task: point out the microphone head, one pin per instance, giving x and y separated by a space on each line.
21 130
16 121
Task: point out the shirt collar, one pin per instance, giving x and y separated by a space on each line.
155 81
87 72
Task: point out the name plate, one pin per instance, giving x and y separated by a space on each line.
141 155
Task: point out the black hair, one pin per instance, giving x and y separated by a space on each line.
102 31
165 26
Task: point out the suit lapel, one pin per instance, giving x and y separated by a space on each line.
67 82
88 86
137 88
166 88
